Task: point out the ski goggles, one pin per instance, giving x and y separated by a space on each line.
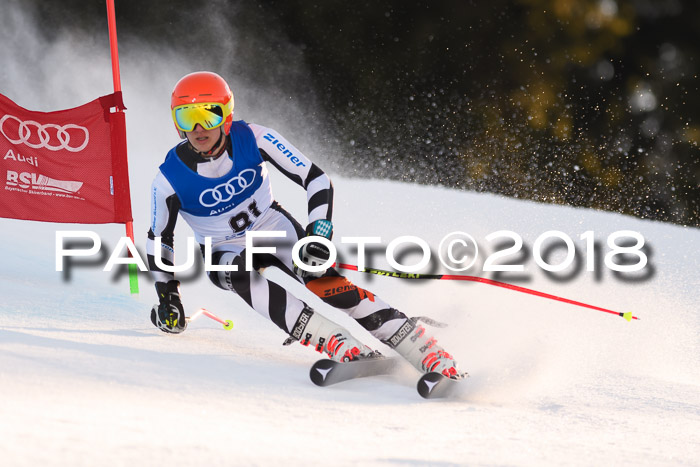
208 114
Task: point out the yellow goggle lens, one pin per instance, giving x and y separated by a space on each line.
209 115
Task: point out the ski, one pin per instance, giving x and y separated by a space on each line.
326 372
437 385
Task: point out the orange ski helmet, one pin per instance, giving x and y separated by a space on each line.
197 96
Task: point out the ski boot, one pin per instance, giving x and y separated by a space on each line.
422 351
326 336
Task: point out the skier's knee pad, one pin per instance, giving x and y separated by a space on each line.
338 292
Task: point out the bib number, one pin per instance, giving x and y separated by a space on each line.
241 221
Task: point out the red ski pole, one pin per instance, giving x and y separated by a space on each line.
380 272
228 324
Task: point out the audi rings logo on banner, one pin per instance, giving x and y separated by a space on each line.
62 138
226 191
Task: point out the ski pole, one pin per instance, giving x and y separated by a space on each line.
380 272
228 324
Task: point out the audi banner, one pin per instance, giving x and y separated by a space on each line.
65 166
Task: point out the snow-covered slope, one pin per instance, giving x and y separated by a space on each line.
87 380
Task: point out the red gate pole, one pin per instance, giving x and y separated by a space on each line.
114 51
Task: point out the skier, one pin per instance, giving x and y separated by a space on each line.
217 180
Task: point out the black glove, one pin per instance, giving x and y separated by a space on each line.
168 315
315 253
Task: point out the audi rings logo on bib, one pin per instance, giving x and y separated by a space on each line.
225 192
50 136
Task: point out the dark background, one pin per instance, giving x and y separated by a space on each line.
580 102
